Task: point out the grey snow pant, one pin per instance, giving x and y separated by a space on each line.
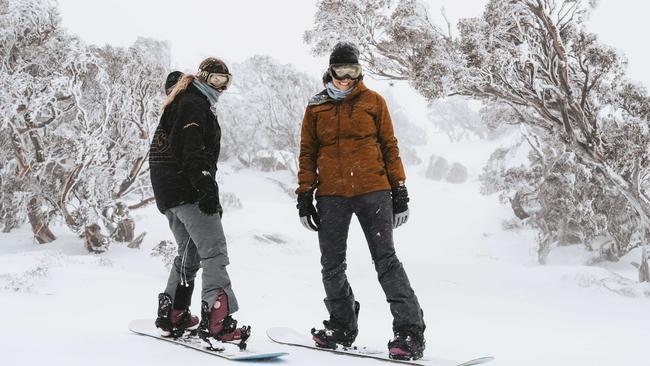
375 213
201 244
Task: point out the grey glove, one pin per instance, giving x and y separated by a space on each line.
400 219
308 215
400 206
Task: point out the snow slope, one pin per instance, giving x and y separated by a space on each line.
479 286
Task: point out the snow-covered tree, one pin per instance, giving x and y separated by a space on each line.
117 107
454 117
36 57
261 114
533 56
74 123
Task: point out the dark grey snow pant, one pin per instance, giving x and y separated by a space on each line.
375 213
201 244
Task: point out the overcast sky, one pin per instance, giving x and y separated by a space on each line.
237 29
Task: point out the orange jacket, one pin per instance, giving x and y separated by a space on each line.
348 148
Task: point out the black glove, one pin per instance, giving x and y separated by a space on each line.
400 206
307 212
209 196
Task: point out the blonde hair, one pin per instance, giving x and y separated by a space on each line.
180 86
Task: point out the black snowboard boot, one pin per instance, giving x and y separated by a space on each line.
408 344
335 334
174 322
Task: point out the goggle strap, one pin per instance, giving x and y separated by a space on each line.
206 75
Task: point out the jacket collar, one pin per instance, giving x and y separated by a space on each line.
323 97
358 89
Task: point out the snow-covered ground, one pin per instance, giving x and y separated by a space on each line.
480 287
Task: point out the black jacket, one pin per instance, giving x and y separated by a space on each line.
184 151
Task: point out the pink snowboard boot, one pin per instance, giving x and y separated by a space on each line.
172 322
217 324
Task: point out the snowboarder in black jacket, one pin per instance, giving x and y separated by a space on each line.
183 164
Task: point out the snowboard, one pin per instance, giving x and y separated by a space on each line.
291 337
146 327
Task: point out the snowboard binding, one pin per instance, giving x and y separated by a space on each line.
332 337
335 334
407 345
173 323
219 327
213 341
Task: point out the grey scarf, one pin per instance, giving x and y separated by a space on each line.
211 93
336 93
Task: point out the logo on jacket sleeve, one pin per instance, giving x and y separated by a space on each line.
160 141
318 99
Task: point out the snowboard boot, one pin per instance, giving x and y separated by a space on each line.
173 322
335 334
218 325
408 344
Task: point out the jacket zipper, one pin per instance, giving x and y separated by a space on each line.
338 142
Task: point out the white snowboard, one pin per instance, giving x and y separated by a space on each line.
230 351
291 337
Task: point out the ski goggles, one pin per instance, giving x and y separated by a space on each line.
343 71
217 80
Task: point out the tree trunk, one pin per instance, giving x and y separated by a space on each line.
544 248
132 176
40 229
517 207
644 271
63 199
125 230
95 241
142 203
135 243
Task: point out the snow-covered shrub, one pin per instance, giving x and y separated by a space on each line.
438 168
229 201
409 155
23 282
167 250
457 173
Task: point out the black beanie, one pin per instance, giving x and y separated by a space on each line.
344 53
172 79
